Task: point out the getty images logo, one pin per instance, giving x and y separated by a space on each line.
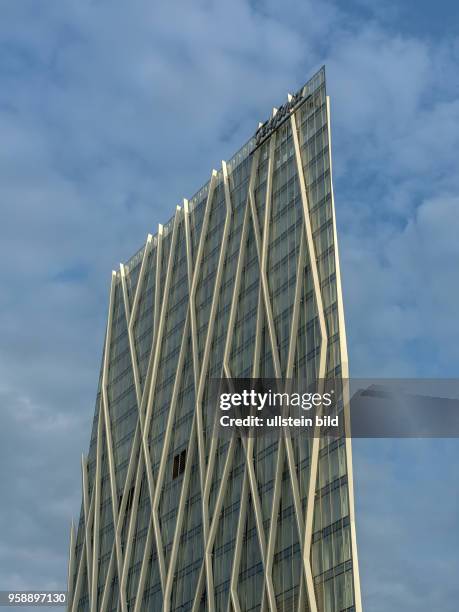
270 399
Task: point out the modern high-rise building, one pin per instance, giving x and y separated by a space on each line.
243 281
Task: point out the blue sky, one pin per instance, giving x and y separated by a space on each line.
110 114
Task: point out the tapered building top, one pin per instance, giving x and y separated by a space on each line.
242 282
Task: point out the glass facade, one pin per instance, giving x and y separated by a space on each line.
243 281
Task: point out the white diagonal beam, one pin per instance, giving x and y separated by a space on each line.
143 267
314 462
157 314
249 454
73 603
73 606
214 524
207 347
263 243
248 446
179 523
108 436
145 420
157 305
210 535
71 570
133 466
131 315
264 256
166 441
96 496
345 377
130 320
204 573
87 518
138 606
289 373
238 547
198 371
192 282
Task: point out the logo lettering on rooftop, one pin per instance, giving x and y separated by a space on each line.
268 127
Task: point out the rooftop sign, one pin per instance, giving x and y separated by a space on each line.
268 127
